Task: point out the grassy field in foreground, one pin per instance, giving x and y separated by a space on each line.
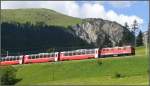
125 70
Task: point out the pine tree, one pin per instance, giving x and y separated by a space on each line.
139 39
126 26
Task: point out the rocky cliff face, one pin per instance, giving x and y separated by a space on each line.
103 33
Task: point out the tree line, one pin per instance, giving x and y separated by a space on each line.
39 37
139 38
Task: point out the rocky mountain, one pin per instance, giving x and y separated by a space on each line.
103 33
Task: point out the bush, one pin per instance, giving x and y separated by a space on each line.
8 75
99 62
119 75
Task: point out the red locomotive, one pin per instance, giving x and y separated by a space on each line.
117 51
67 55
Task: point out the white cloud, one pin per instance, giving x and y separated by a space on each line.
71 8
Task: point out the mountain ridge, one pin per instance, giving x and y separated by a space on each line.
34 15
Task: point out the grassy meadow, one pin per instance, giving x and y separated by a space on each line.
125 70
34 16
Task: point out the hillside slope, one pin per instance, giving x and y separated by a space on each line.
47 16
133 70
25 29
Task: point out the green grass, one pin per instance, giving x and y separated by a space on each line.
49 17
134 70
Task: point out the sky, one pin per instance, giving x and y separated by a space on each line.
119 11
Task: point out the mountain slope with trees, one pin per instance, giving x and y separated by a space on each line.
40 29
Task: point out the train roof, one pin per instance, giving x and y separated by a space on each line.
78 50
12 56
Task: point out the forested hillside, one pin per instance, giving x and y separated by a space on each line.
36 30
42 30
28 37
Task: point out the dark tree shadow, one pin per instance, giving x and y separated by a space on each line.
36 38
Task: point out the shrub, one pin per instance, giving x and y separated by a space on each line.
99 62
8 75
119 75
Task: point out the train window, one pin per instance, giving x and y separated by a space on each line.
74 53
40 56
93 51
6 59
70 54
66 53
3 59
77 53
14 58
53 55
29 57
87 52
44 56
37 56
83 52
48 55
32 57
17 58
80 53
10 59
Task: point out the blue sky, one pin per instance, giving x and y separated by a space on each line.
119 11
138 8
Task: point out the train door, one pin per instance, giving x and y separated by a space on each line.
56 56
96 53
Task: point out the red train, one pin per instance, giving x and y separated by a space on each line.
67 55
